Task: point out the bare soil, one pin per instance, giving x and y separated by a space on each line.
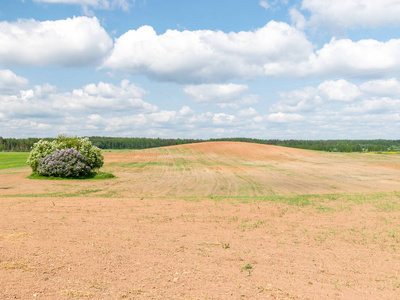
216 220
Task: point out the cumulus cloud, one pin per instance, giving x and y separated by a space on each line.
343 58
10 83
206 56
383 87
277 49
353 13
79 41
223 95
105 97
348 58
297 19
45 102
186 111
223 119
107 90
378 106
105 108
340 109
309 99
303 100
340 90
332 109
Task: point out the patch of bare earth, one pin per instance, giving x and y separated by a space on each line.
206 221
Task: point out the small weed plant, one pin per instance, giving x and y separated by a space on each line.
249 268
225 246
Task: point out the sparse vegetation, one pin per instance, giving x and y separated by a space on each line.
225 245
248 267
98 175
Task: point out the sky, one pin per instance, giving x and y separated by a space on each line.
268 69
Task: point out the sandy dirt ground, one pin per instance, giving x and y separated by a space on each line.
216 220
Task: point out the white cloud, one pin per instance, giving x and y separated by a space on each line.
343 58
328 93
277 49
207 56
357 58
102 4
79 41
223 119
340 90
11 83
272 4
264 4
303 100
284 117
107 90
332 109
374 106
298 20
248 112
45 102
163 116
223 95
80 2
105 97
383 87
353 13
215 93
339 109
186 111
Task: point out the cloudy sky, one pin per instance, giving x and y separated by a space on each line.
305 69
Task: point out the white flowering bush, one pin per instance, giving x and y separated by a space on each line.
63 163
40 150
92 155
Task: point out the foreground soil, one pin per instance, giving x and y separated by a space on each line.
206 221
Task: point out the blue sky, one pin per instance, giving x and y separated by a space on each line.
271 69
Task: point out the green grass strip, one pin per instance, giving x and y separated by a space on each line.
99 175
9 160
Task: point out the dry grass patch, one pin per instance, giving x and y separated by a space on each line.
15 265
77 294
14 235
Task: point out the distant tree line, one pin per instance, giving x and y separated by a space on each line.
19 145
329 145
137 143
25 145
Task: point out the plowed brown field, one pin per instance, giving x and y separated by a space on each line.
217 220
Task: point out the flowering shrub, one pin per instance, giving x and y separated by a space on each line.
93 156
40 150
64 163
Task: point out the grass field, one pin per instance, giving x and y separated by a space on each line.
207 221
9 160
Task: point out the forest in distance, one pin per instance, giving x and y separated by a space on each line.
377 145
